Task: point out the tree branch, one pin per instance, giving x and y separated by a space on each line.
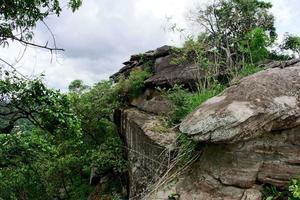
37 45
11 66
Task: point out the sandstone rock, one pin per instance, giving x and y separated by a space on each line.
148 150
237 171
139 59
252 194
152 102
260 103
169 73
163 51
153 54
251 134
125 71
156 105
281 64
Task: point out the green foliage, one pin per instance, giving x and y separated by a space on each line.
291 42
180 98
192 50
290 193
133 85
148 66
19 16
77 86
294 189
20 171
248 70
185 102
103 148
32 101
196 51
255 44
187 149
95 107
92 107
48 151
272 193
108 155
236 32
279 55
42 147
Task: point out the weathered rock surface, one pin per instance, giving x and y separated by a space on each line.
140 59
250 134
281 64
260 103
153 102
237 171
167 72
148 150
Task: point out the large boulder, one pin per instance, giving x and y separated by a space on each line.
250 137
264 102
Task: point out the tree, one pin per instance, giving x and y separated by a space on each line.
291 42
19 17
228 22
30 101
42 148
254 46
78 86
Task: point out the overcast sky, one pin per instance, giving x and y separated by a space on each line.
104 33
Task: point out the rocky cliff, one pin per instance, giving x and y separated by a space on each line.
249 135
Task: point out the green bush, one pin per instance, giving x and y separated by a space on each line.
291 193
248 70
294 189
185 102
132 86
187 149
272 193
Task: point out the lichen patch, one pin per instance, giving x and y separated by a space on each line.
241 110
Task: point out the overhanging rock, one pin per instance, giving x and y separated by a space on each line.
264 102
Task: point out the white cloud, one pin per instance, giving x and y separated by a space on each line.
286 15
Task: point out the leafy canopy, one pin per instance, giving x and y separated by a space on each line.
237 31
292 42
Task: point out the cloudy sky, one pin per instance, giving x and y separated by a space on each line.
104 33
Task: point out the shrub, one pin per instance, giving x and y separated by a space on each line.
294 189
185 102
132 86
248 70
187 149
291 193
291 42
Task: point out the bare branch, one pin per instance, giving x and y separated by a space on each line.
11 66
36 45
